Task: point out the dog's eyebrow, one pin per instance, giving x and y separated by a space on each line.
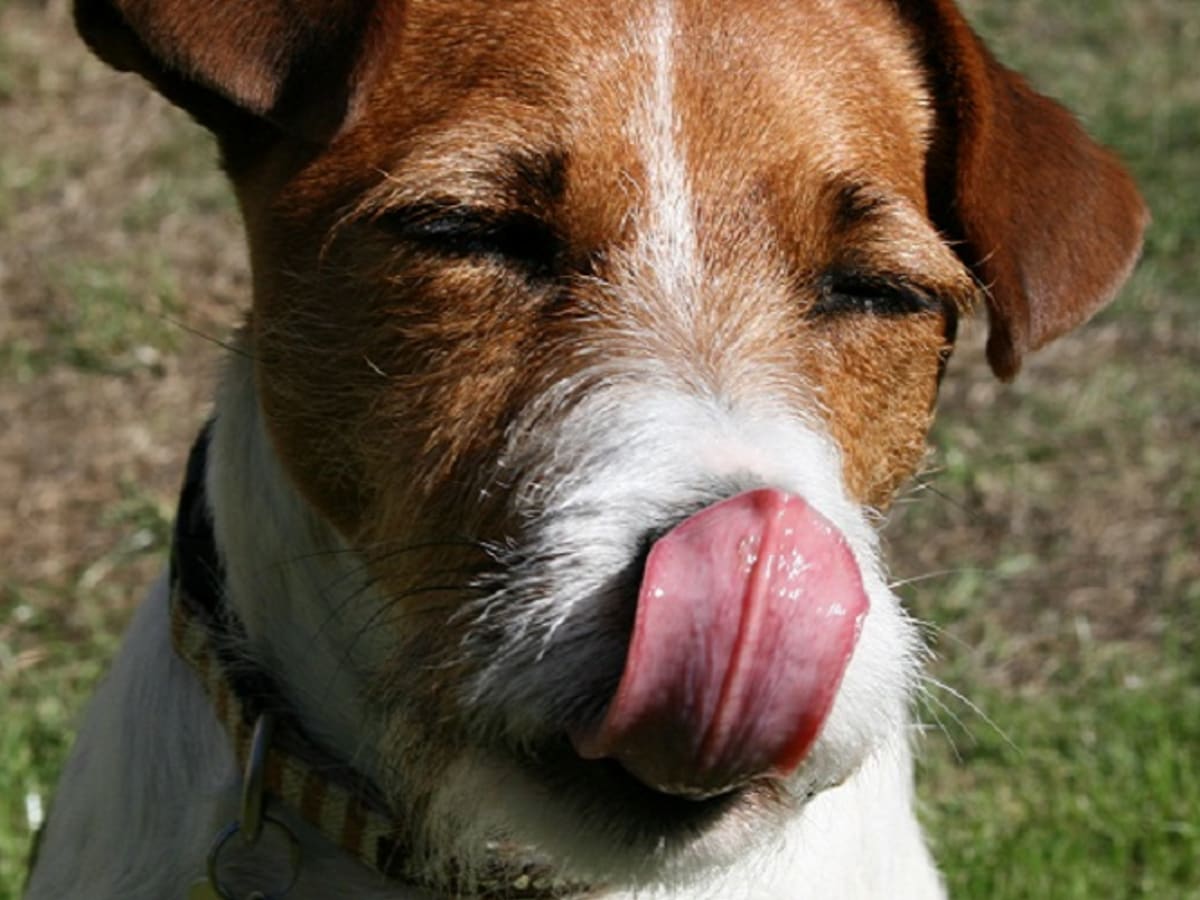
887 240
855 204
516 179
536 176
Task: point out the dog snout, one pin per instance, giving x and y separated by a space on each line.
747 615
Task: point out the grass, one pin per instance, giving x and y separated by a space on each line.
1062 755
116 225
49 661
1090 791
56 637
1068 507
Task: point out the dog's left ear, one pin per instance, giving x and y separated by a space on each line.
242 66
1048 219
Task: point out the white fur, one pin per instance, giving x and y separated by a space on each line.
284 564
627 459
667 242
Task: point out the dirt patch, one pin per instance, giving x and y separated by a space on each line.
93 194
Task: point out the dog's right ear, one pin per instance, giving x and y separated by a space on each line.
293 66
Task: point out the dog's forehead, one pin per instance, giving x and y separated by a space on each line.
745 95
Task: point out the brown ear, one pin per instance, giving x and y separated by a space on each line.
1047 218
291 64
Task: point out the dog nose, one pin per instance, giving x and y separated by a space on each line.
747 616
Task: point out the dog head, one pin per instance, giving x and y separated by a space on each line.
567 312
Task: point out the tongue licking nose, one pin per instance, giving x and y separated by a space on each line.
747 616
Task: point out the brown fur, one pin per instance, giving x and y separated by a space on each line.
390 373
1051 222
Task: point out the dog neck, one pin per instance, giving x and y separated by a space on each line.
248 552
282 564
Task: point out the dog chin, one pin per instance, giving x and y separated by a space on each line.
595 823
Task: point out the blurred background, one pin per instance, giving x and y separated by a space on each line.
1053 541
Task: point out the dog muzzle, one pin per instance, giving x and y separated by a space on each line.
747 617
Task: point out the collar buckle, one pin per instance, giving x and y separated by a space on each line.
253 818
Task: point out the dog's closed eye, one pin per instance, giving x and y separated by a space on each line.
512 238
856 293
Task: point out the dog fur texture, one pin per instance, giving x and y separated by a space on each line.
534 281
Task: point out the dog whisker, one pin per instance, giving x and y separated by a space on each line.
234 347
929 681
935 706
929 576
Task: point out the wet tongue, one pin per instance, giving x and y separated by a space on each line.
747 616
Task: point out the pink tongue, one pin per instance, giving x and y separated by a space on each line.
747 617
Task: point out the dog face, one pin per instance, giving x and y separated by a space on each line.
536 283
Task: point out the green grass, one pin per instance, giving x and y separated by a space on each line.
116 317
48 664
56 639
1068 508
1091 790
107 329
1061 761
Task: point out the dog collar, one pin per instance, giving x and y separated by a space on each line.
282 766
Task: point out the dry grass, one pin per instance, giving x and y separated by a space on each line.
116 226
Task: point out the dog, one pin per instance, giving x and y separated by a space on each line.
531 548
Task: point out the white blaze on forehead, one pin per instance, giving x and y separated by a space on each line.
666 243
